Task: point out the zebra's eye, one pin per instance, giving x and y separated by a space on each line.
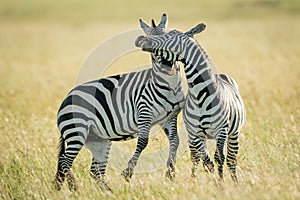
158 59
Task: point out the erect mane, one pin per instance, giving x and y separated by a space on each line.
212 65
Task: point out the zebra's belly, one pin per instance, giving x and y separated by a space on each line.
118 132
204 131
94 136
163 114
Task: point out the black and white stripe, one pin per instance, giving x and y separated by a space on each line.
117 108
213 107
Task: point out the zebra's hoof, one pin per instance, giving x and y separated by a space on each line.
57 185
194 169
104 187
59 180
170 174
71 181
209 167
193 175
234 178
72 186
127 174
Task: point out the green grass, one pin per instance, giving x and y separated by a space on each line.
42 46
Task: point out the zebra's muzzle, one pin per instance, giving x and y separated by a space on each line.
144 43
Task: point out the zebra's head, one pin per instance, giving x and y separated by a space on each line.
170 45
159 64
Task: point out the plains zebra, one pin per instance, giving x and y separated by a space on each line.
116 108
213 109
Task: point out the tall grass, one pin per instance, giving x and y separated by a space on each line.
41 57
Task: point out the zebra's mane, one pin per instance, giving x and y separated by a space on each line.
212 65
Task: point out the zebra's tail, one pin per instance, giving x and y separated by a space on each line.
61 146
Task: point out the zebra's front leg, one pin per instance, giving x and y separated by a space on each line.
170 128
100 150
219 154
143 136
98 174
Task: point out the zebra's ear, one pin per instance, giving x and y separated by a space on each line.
153 23
197 29
163 22
145 27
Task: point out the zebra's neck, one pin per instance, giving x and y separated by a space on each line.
198 70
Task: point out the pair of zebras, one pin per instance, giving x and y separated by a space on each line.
126 106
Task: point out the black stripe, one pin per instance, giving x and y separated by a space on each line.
203 77
108 84
67 101
102 99
215 102
153 90
233 124
73 142
71 115
72 125
79 101
74 134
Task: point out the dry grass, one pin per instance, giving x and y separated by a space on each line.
39 64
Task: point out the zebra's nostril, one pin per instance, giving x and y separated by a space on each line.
147 45
139 41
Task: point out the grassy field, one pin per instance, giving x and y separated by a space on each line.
43 44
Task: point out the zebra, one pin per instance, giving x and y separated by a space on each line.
116 108
213 108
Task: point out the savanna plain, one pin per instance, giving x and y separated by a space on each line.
43 45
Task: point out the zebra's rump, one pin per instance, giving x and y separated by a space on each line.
212 112
107 105
225 79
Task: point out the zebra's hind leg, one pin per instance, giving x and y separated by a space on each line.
170 129
100 149
66 158
232 151
59 179
219 154
195 158
199 151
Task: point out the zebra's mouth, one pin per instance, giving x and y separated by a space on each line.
169 67
173 69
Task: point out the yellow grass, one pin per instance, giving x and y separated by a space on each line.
41 57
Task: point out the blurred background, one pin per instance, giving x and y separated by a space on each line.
79 12
44 43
